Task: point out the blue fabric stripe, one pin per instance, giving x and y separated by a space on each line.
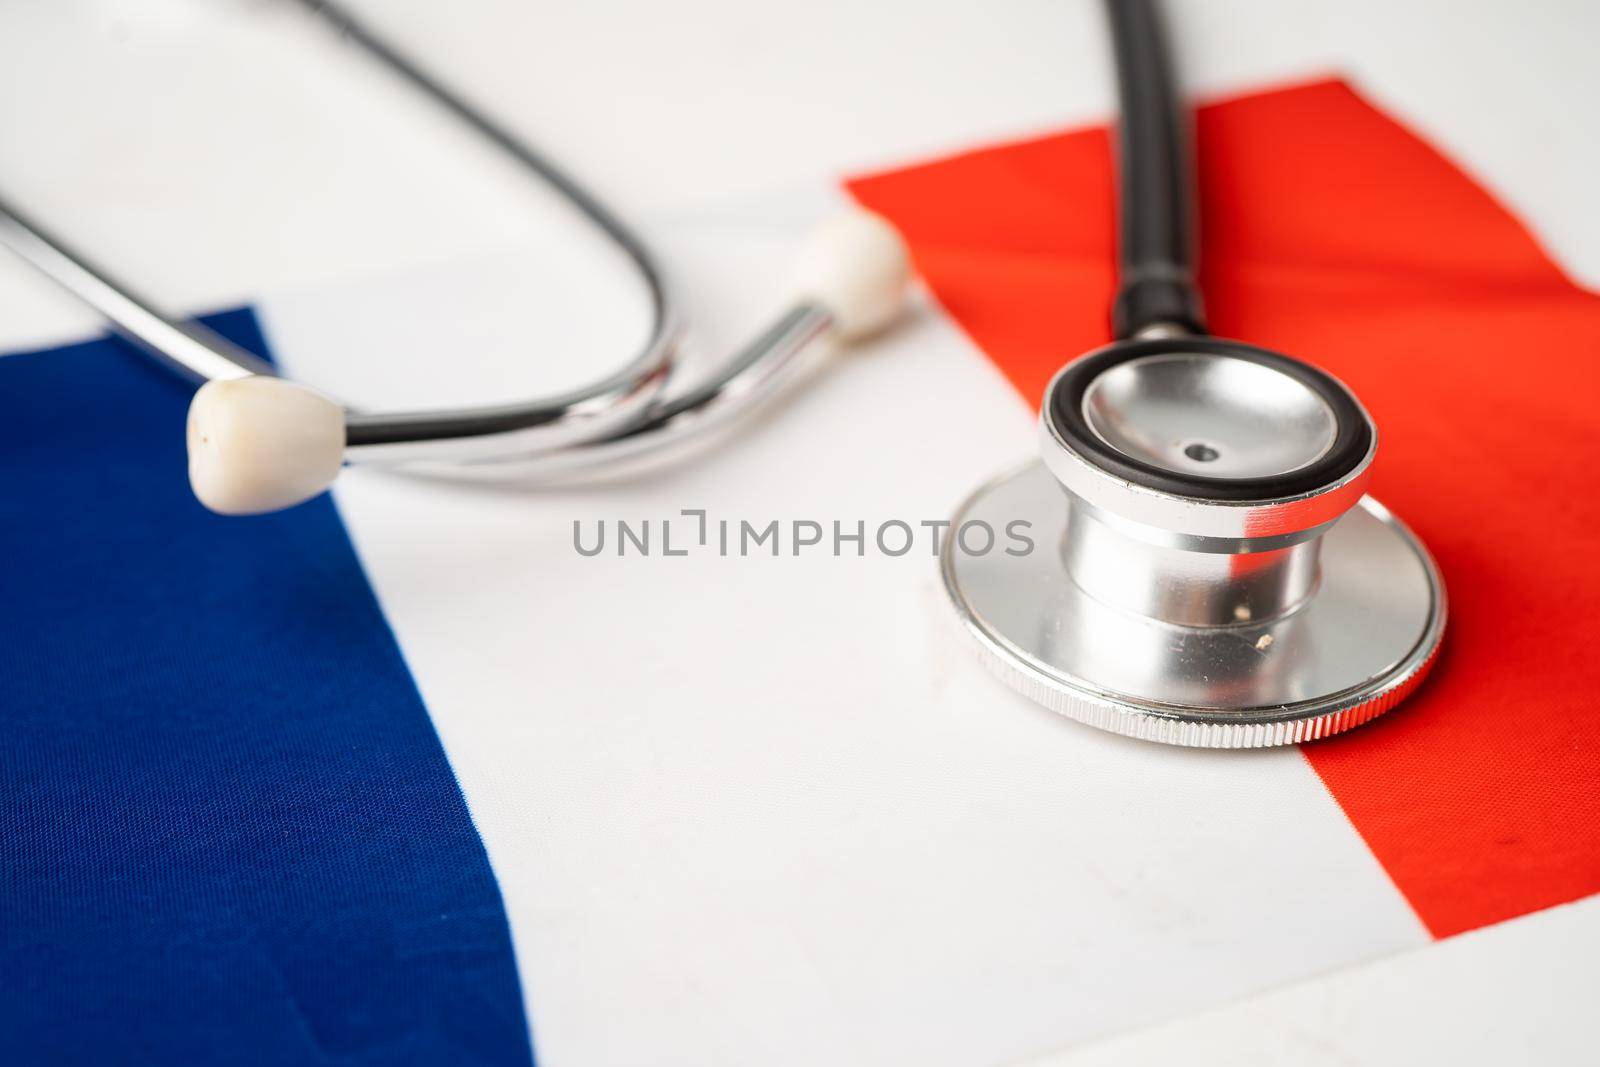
228 832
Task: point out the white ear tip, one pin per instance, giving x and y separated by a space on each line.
857 266
259 444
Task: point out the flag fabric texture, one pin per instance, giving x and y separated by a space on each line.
398 777
1332 233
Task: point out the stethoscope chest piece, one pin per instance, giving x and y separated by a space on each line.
1206 569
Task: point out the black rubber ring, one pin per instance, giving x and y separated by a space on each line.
1352 437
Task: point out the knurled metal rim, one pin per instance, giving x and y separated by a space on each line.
1208 728
1173 727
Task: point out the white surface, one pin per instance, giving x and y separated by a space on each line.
791 822
1522 992
212 150
758 810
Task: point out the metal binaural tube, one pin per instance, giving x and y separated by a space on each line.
190 350
783 352
544 424
850 281
535 426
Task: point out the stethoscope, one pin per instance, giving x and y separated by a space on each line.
1216 576
258 442
1210 571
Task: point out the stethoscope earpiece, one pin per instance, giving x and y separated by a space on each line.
259 444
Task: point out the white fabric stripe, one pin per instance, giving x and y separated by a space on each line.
1519 992
772 810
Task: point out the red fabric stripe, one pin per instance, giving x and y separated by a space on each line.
1331 232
